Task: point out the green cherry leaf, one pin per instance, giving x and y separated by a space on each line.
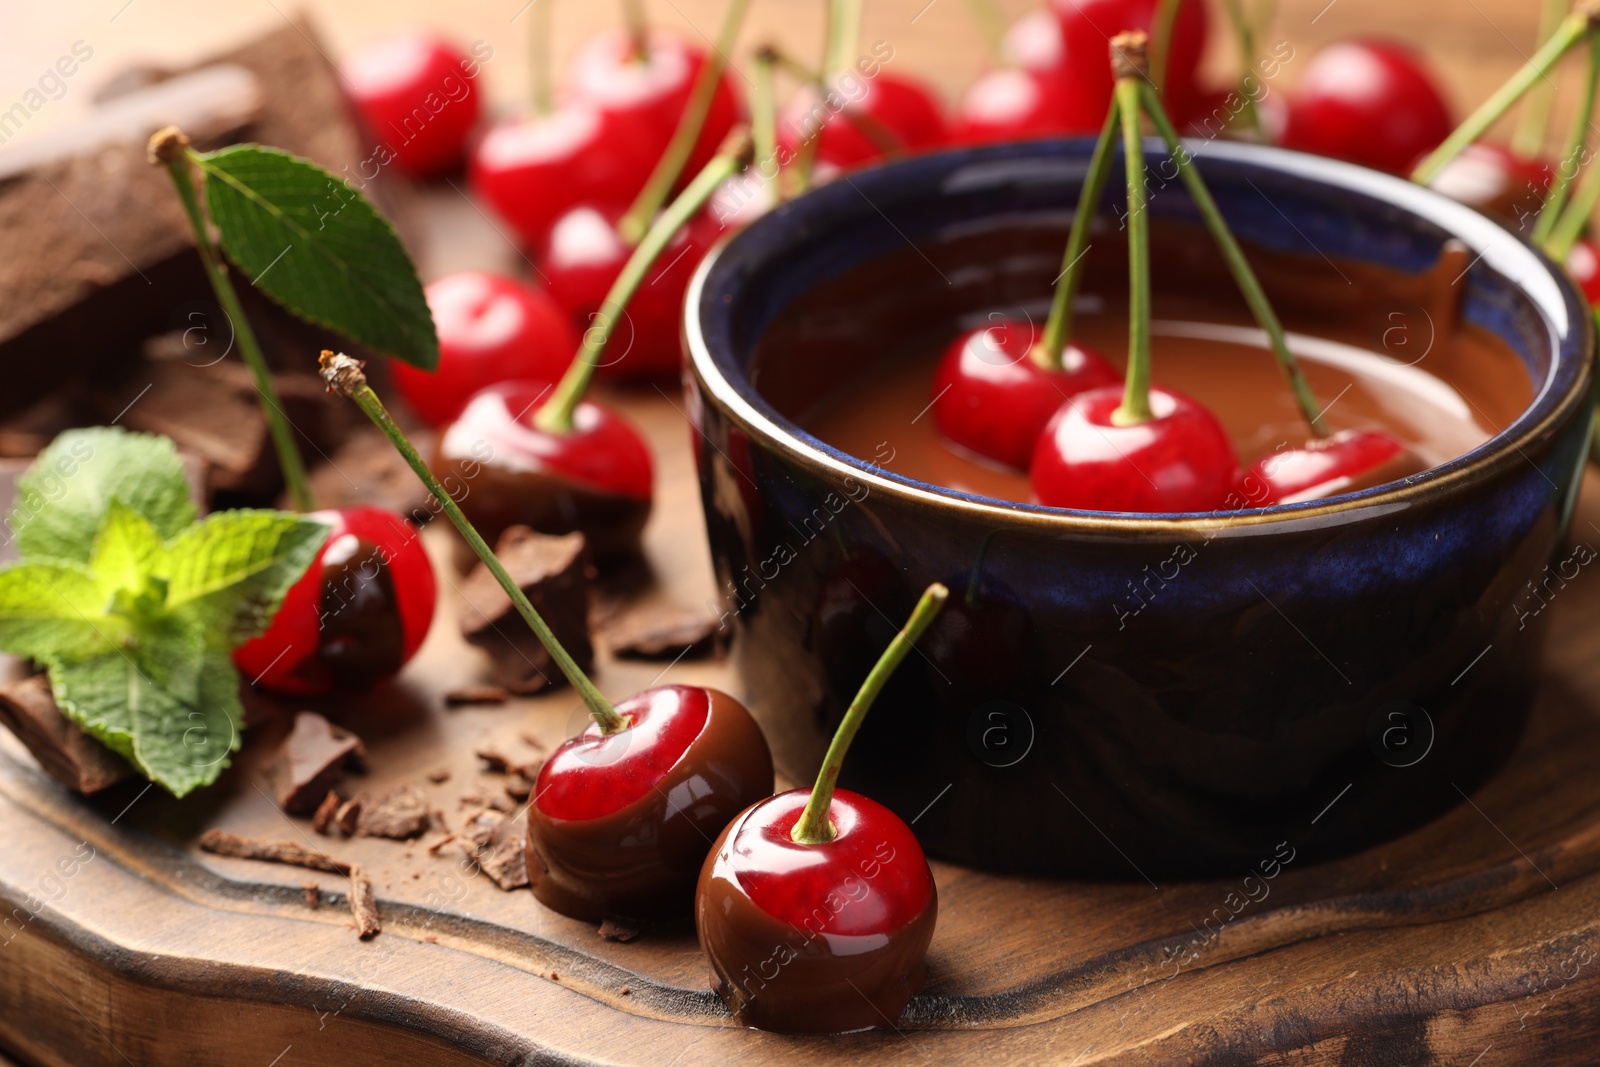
310 241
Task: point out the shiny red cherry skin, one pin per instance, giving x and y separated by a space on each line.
1583 263
357 615
416 93
532 170
1180 460
817 938
1370 102
905 107
621 823
1326 466
492 329
992 399
1497 181
596 479
581 257
1012 104
1033 43
651 92
1087 27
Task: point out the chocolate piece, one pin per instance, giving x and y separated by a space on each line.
365 469
438 777
476 694
349 814
498 844
27 432
399 815
364 904
313 894
312 760
223 843
554 574
616 928
67 754
322 821
518 787
665 631
498 762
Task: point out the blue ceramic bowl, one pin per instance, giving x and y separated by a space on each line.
1310 678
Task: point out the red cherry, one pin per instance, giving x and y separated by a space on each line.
825 937
1369 102
357 615
1583 263
581 258
491 330
622 822
1013 104
532 170
905 107
651 92
415 92
596 479
1087 27
1324 467
992 399
1179 460
1033 42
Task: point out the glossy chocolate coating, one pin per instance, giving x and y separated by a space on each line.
776 976
363 638
641 861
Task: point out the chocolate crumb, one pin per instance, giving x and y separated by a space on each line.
432 940
313 895
322 821
223 843
312 760
349 813
476 694
498 845
662 632
554 573
433 849
626 991
616 928
399 815
438 777
554 977
363 904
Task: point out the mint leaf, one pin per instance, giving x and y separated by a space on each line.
184 744
232 570
128 554
62 499
313 243
55 610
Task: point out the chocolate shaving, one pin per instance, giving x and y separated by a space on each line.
327 811
66 753
498 845
312 760
364 904
399 815
433 849
554 573
438 777
663 632
313 895
223 843
615 928
349 813
497 762
476 694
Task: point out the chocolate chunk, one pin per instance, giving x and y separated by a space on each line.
349 813
476 694
498 845
616 928
313 894
327 811
554 574
312 760
67 754
364 904
223 843
399 814
665 631
498 762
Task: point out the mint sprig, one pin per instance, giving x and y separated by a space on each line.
134 607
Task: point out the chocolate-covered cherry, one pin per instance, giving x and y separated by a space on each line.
595 478
491 329
1014 104
621 821
901 114
649 91
1086 26
417 93
1371 102
534 169
816 906
1350 459
993 394
357 615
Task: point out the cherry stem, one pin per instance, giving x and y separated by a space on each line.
991 23
170 148
1160 45
638 25
844 33
1244 277
1047 354
764 118
1575 219
814 825
539 57
1246 32
344 376
1571 30
1534 121
555 414
669 168
870 126
1577 150
1135 407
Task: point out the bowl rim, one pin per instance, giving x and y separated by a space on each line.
709 295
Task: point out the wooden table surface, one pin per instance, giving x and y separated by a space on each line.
1467 942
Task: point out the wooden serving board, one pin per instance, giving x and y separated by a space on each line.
1477 936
